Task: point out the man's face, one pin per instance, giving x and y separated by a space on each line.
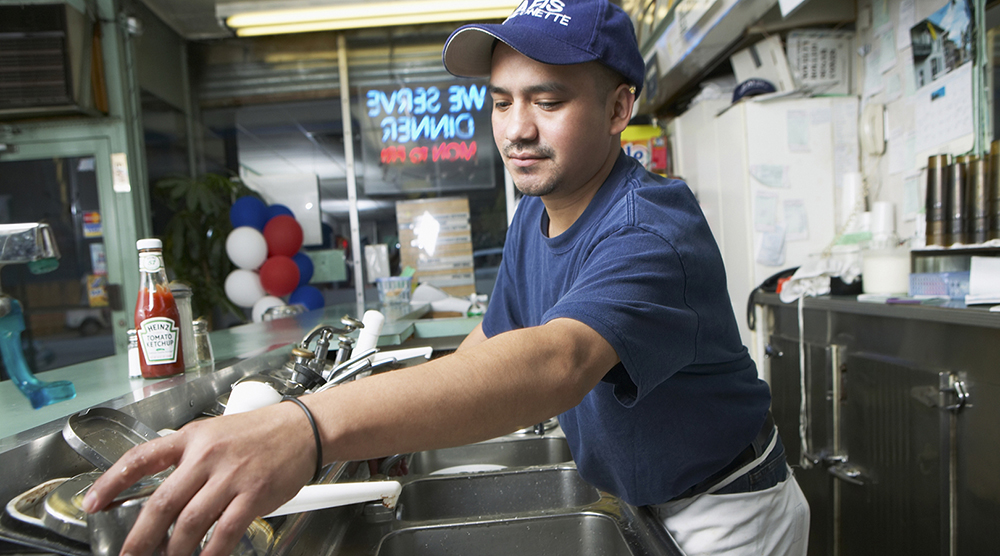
550 123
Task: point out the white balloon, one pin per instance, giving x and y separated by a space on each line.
263 304
246 247
243 287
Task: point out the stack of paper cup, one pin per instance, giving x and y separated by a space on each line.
883 224
851 200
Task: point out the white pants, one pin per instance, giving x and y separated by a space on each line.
772 522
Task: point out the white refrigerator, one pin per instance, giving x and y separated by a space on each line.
767 175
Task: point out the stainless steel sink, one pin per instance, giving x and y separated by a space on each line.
492 494
536 505
575 535
509 452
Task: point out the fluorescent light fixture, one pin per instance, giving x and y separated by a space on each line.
361 15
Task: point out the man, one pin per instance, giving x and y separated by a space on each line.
610 310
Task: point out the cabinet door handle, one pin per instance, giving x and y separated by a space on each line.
961 395
847 472
771 351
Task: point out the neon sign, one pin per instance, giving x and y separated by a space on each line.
443 128
409 115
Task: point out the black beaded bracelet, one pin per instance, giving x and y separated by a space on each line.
312 423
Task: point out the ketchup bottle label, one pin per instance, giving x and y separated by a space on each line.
159 338
150 262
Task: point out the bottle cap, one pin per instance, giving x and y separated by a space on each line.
149 243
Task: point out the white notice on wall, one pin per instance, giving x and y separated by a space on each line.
771 175
798 131
765 212
911 196
873 70
796 220
771 249
944 109
897 150
119 173
887 47
907 19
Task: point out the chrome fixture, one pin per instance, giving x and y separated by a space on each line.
32 244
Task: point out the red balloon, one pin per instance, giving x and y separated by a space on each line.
279 275
283 235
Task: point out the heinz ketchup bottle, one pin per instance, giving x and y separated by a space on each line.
157 321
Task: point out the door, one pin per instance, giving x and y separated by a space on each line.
786 405
977 489
73 313
894 485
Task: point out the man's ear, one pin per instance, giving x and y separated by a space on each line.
621 110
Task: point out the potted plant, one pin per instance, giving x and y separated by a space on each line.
194 242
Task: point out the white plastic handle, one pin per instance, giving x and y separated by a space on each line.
319 497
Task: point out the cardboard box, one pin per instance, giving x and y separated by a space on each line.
435 239
764 60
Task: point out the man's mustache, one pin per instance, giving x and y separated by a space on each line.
520 149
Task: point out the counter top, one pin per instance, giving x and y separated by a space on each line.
952 312
105 379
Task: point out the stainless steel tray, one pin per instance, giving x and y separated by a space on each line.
64 510
102 435
27 507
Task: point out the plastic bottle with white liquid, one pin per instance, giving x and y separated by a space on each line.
369 335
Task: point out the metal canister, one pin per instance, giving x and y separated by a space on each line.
980 197
936 199
182 296
958 201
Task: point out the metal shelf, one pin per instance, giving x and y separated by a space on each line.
685 50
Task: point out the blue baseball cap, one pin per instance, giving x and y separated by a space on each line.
557 32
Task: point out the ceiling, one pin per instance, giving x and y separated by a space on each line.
197 20
191 19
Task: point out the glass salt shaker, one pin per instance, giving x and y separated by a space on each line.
134 370
202 344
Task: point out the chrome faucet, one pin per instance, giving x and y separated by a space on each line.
33 244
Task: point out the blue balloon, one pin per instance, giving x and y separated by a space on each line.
308 296
278 209
305 265
248 211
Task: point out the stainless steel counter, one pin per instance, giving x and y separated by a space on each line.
531 501
952 312
106 379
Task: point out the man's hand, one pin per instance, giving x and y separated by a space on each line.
229 469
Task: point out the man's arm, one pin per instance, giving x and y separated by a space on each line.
234 468
476 337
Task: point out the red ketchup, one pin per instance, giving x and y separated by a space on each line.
157 321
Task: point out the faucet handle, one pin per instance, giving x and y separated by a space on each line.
351 323
307 369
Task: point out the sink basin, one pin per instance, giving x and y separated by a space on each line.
575 534
492 494
518 452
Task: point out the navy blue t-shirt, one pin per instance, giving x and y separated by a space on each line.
641 268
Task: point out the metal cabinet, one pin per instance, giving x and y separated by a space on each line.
897 444
893 482
787 407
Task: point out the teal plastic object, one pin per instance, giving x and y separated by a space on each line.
41 266
38 392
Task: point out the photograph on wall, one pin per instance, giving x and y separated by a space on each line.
942 42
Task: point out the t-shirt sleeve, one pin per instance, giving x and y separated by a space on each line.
632 290
502 311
